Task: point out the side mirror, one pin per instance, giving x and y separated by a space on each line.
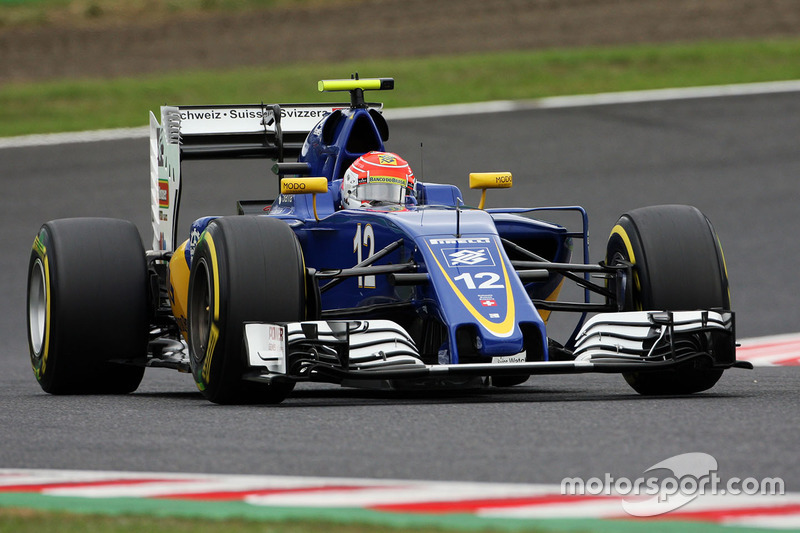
489 180
312 186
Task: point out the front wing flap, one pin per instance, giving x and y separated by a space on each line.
335 351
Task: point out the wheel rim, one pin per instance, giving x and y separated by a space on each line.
200 311
37 307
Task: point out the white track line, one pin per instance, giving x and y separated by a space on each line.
498 106
627 97
51 139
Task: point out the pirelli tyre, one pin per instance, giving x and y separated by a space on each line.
244 269
677 265
88 307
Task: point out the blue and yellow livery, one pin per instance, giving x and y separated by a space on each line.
425 291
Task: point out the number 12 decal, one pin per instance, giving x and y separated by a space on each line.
365 239
491 282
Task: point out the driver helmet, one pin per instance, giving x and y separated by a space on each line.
375 178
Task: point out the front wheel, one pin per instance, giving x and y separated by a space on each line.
87 306
244 269
677 266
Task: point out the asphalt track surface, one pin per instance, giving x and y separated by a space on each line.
736 159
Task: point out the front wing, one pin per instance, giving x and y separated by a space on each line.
370 350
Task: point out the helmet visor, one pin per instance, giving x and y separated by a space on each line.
382 189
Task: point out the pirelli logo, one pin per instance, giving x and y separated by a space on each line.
461 240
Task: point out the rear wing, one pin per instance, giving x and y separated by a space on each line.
274 131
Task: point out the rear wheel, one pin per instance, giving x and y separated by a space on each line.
678 266
87 306
245 269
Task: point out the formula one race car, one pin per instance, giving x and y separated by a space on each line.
359 275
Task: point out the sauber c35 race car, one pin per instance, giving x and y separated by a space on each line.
424 293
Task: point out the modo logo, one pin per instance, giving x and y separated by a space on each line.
293 186
503 179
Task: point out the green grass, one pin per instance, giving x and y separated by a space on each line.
22 520
28 521
74 105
